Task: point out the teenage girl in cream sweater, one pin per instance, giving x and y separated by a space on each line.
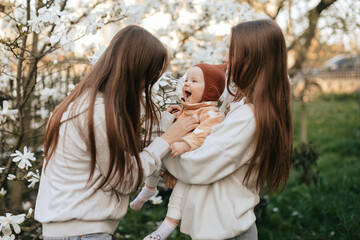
253 145
93 159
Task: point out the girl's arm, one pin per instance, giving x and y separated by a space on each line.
228 147
151 155
150 158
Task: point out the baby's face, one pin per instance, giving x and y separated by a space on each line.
194 85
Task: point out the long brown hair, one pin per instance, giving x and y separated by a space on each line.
258 67
129 67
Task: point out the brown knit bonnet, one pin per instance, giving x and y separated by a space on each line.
214 78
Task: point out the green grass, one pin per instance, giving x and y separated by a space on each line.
331 209
328 210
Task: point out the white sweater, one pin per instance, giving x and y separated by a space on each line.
216 204
66 205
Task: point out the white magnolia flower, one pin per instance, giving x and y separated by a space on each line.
48 93
30 212
29 174
11 177
32 181
66 41
159 100
44 113
3 192
11 141
71 87
35 177
26 205
91 24
46 15
51 15
23 159
1 169
94 58
36 125
6 112
10 220
156 200
4 80
163 83
36 23
134 14
8 237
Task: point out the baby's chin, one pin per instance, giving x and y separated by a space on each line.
190 100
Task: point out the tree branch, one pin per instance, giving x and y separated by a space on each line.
18 99
308 35
281 5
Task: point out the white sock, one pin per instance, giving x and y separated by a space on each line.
141 198
164 230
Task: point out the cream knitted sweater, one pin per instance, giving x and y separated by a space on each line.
66 205
216 204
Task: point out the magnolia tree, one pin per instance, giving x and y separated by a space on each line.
40 65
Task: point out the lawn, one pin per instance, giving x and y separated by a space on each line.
328 210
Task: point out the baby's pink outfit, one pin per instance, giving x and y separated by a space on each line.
209 116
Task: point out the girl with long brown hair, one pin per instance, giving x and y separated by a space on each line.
250 150
93 156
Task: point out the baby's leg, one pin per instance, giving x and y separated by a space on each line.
173 215
146 192
174 206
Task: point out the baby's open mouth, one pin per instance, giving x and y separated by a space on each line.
188 94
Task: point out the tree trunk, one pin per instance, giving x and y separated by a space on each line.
303 122
27 99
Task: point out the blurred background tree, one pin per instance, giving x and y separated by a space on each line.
314 28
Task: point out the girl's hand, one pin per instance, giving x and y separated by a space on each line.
178 148
175 110
168 179
179 129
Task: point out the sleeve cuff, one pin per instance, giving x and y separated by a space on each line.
159 147
166 120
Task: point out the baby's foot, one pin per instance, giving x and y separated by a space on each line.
164 230
140 199
153 237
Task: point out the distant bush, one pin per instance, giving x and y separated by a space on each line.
305 162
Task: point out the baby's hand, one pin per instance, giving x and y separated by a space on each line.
174 109
178 148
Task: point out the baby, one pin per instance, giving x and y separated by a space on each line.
204 84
